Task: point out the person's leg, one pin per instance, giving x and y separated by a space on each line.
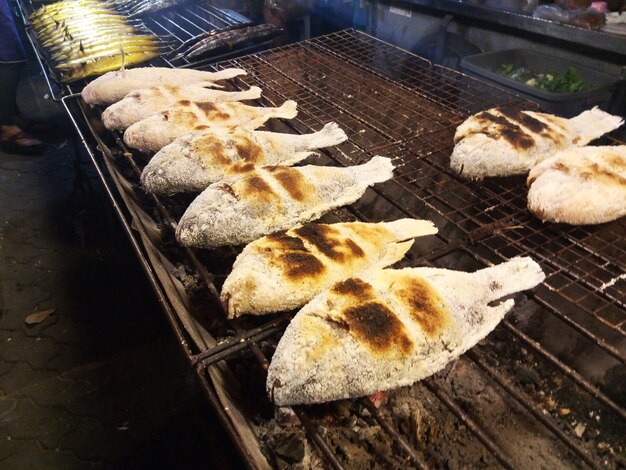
9 77
12 138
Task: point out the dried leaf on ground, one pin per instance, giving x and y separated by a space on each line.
38 317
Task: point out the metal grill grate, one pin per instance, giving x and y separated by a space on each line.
395 104
400 106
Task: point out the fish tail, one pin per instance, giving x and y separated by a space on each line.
394 252
404 229
331 134
377 170
288 110
227 74
517 274
252 93
594 123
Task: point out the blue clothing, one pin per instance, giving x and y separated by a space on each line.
11 49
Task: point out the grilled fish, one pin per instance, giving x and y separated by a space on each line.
189 43
501 142
160 129
285 270
272 199
150 6
193 162
114 86
141 104
579 186
105 34
113 53
390 328
228 40
106 64
86 39
84 49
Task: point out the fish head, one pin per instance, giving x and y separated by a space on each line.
150 134
115 116
89 94
169 171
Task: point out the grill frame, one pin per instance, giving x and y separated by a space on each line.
475 238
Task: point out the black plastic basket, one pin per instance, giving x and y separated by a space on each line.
604 91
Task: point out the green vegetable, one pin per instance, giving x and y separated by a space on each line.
553 81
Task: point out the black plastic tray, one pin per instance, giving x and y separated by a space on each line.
603 92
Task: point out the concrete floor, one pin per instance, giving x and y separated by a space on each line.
100 382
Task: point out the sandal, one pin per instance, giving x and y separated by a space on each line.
19 142
34 127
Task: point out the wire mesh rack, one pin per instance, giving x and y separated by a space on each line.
543 389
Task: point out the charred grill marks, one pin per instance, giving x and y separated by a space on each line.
370 321
211 111
285 242
604 173
213 152
353 287
617 161
293 258
377 327
532 124
293 182
207 107
255 187
327 240
324 239
591 170
248 151
300 265
423 304
506 129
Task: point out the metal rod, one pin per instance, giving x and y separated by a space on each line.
530 407
245 336
598 341
317 438
474 427
256 351
217 354
207 386
571 373
581 329
413 454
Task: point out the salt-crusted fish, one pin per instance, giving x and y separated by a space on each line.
502 142
271 199
285 270
193 162
390 328
580 186
114 86
141 104
160 129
